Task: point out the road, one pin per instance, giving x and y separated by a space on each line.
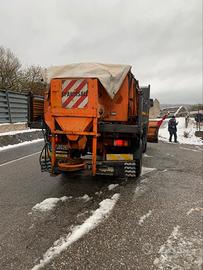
155 224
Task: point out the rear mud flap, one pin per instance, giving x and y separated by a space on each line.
130 169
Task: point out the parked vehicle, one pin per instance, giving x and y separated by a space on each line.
94 120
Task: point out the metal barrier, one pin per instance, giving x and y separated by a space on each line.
13 107
35 111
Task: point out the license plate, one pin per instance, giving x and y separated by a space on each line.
61 147
119 156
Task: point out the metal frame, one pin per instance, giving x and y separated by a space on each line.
13 107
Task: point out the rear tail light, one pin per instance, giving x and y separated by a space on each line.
120 143
57 139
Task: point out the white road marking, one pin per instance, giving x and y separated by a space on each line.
12 161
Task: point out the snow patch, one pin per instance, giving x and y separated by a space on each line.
49 204
98 193
170 155
181 132
146 170
142 219
19 144
82 214
106 206
14 132
196 209
198 147
139 191
85 197
180 252
189 149
145 155
112 186
18 123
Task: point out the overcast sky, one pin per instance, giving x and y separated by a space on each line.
162 40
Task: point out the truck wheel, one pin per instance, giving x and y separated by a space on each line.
138 165
144 146
138 157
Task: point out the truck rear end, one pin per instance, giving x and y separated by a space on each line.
93 117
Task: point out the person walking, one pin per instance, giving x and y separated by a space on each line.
172 128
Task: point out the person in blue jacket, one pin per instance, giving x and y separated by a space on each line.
172 128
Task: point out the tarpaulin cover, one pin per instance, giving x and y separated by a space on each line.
111 76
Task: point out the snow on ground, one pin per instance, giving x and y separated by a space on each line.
142 219
197 210
14 132
85 197
180 252
145 155
189 149
10 146
106 206
181 131
98 193
18 123
112 186
142 186
49 204
147 170
140 190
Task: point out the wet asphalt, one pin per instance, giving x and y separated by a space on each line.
156 223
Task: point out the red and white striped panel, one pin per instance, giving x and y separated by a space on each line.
74 93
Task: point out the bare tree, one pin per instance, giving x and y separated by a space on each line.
9 70
31 80
13 77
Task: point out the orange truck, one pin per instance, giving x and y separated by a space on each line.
93 117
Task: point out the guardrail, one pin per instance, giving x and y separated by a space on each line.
20 107
13 107
35 111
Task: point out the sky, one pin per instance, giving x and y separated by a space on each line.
161 40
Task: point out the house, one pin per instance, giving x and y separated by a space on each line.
178 111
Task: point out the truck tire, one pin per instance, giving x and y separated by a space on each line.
138 165
144 145
144 141
138 157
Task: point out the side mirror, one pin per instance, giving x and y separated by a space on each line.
151 102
